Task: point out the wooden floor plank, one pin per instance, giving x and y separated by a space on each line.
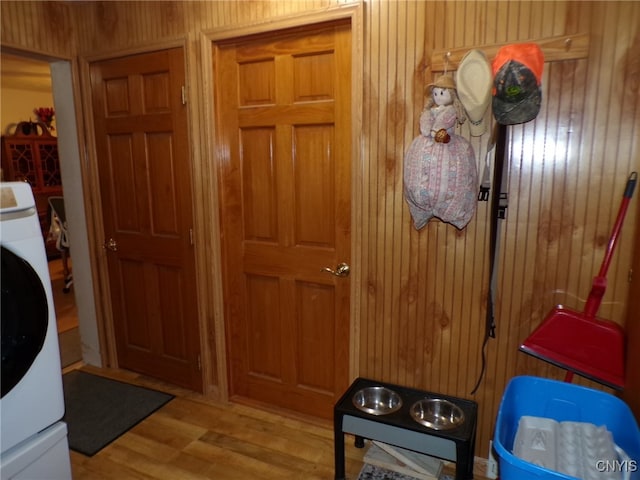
304 459
118 452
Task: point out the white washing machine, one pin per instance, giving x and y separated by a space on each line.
31 401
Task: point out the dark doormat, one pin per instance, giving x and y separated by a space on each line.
99 410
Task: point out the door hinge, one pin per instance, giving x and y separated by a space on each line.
184 95
191 241
199 363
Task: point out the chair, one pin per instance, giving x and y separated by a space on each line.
59 231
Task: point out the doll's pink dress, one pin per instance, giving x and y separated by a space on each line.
440 179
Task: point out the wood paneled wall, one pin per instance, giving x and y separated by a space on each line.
39 27
422 303
567 172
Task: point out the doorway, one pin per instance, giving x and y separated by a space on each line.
283 112
26 84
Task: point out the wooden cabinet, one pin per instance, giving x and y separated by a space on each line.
31 155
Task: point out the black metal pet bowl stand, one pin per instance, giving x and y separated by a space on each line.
399 428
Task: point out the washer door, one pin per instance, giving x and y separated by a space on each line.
25 316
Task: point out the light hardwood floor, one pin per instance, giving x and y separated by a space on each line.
65 305
195 438
192 437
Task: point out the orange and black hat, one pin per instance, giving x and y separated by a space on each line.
517 92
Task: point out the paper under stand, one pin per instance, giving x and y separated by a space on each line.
406 462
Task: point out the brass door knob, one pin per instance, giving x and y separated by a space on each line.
342 270
111 244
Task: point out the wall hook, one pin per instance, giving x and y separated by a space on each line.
567 44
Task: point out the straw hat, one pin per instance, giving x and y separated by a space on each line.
475 79
443 81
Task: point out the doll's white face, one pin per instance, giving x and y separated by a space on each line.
442 96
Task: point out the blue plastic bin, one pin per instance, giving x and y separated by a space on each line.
561 401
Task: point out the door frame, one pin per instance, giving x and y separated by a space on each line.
71 138
208 44
201 209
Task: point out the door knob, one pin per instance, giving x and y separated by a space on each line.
342 270
111 244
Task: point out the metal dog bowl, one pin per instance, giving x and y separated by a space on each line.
437 413
377 400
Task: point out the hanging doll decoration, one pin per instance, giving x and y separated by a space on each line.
440 173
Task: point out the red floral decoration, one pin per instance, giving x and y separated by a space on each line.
45 115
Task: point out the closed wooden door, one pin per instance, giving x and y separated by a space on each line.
284 137
145 187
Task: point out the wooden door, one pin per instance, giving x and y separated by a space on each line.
284 130
145 187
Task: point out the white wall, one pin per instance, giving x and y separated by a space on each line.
73 201
17 106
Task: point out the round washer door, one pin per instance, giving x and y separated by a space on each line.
25 316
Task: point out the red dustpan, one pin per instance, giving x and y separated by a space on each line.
578 341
